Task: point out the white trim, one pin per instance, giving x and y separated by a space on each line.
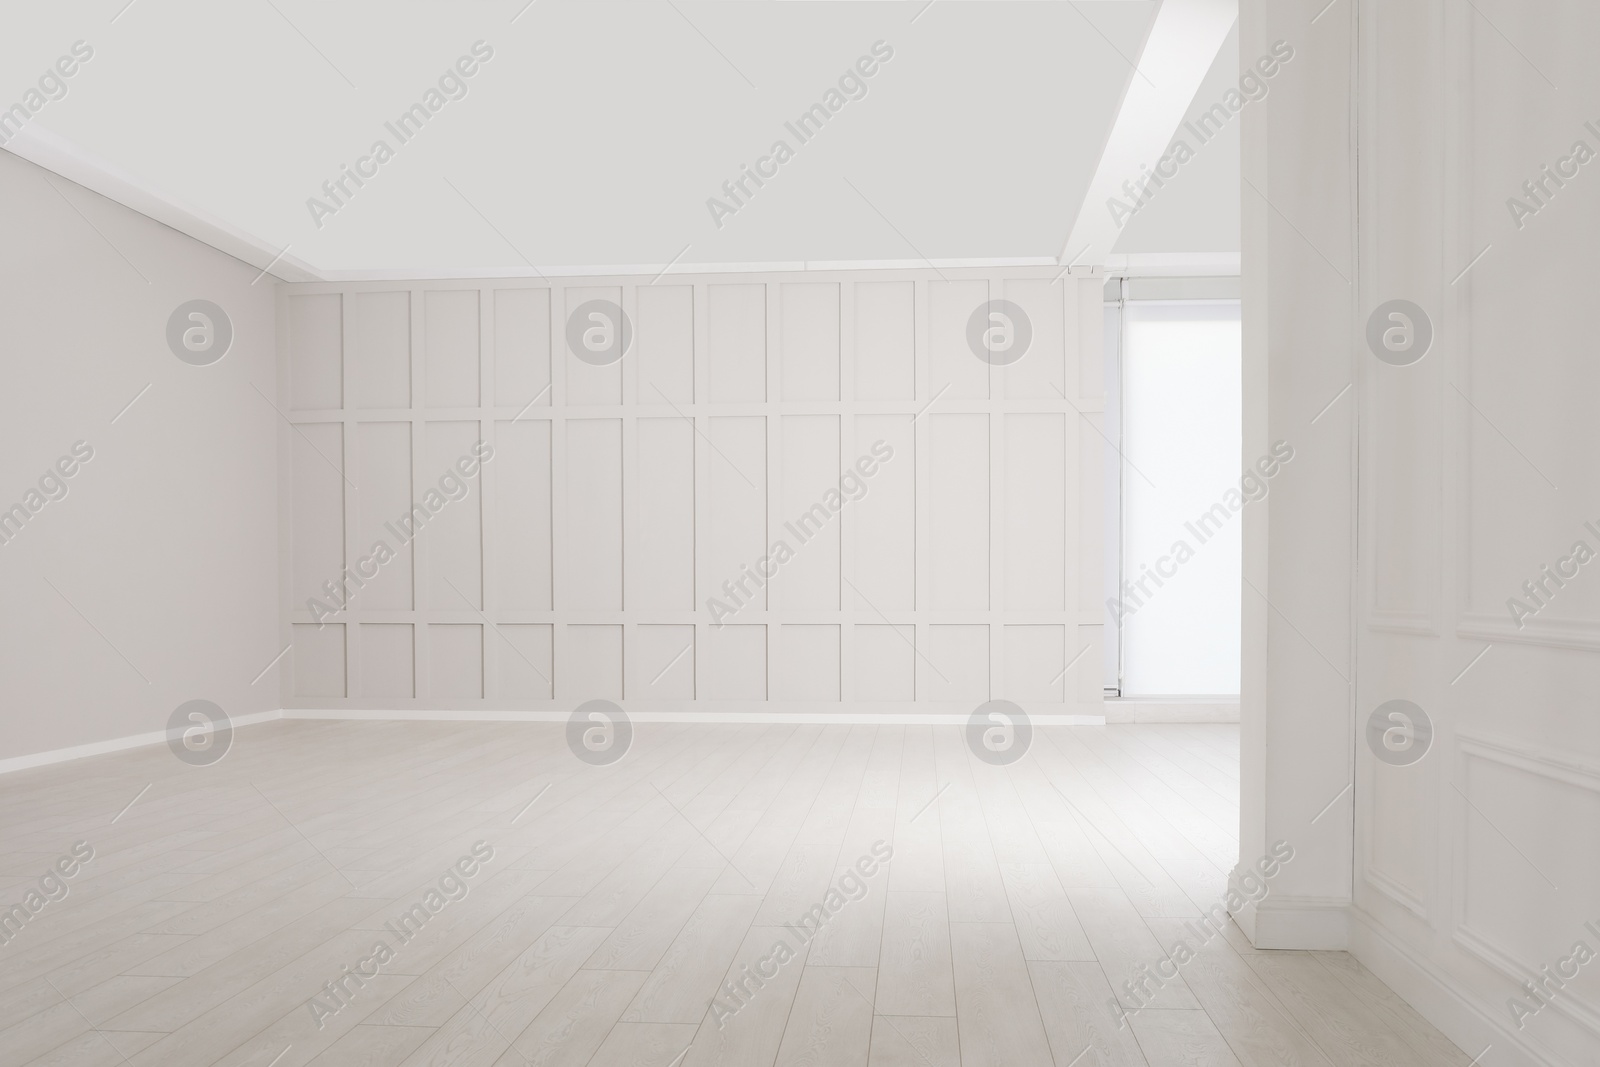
1315 923
1133 265
1390 886
1438 998
748 713
1581 634
643 276
686 269
1570 768
116 744
1174 302
1172 264
1171 709
734 715
1505 961
60 156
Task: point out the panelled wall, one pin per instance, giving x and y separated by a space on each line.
608 546
1460 862
1482 860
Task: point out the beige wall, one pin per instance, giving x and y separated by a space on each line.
153 580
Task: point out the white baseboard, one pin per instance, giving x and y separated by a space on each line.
116 744
1302 922
156 737
1172 709
1472 1026
777 715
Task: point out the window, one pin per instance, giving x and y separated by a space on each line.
1173 610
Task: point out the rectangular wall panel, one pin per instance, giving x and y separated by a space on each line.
383 465
1085 323
388 660
665 344
809 341
953 361
450 331
1036 658
455 661
662 573
1404 565
1041 371
661 663
526 658
451 539
885 519
1091 507
1494 871
591 322
316 521
591 578
886 663
886 367
737 502
808 663
957 665
737 341
591 664
813 508
1036 512
1085 686
316 351
735 666
958 474
521 515
1398 851
318 658
522 347
380 350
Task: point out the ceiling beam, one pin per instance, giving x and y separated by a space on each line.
1182 44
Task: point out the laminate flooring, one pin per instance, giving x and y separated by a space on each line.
719 896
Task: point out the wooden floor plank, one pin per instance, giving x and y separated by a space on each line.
831 1020
645 1045
995 1007
1173 1038
1076 1004
372 1046
915 973
914 1041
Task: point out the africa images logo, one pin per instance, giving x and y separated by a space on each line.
599 732
1399 732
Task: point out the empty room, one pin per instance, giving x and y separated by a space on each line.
889 533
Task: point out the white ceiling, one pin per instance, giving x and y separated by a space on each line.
597 131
